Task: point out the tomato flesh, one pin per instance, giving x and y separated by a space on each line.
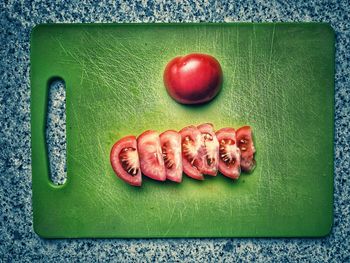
150 154
210 148
171 150
196 151
246 145
230 154
125 160
192 160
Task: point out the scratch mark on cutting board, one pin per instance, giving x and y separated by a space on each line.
170 223
271 46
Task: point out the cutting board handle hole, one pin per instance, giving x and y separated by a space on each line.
56 131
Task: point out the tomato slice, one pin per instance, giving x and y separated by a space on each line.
150 154
125 160
192 159
246 145
171 149
230 155
210 148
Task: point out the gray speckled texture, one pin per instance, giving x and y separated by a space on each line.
17 239
56 132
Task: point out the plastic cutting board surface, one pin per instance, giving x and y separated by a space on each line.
278 78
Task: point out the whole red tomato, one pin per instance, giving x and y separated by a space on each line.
193 79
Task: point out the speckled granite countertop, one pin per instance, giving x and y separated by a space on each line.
18 242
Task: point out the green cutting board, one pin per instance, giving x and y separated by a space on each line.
278 78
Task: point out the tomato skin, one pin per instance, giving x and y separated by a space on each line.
194 151
193 79
126 142
228 145
245 143
210 148
150 154
194 142
171 148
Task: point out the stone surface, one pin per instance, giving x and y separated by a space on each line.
18 242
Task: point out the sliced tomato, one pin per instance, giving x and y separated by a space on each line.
171 149
246 145
210 148
230 158
125 160
150 154
192 156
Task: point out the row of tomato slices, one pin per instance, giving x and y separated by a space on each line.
196 151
